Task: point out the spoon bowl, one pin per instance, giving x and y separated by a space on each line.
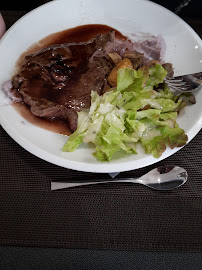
161 178
165 178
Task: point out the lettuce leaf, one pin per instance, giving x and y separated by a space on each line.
155 146
132 80
175 137
156 75
77 137
134 112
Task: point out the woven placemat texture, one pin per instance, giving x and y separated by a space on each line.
119 217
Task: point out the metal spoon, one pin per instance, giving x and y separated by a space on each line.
161 178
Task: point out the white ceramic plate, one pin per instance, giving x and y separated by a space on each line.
184 50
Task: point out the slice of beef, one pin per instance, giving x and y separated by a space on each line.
51 110
57 81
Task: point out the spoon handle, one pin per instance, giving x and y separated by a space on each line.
62 185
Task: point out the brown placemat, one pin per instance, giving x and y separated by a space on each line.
122 216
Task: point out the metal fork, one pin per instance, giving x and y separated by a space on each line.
185 83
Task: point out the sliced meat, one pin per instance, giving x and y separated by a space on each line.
50 110
57 81
93 79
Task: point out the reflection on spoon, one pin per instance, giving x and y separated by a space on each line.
161 178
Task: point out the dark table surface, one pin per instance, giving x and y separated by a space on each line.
35 257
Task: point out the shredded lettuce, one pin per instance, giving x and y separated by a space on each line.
134 112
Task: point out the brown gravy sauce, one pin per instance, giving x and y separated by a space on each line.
58 126
77 34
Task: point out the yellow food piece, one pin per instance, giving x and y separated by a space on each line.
115 57
112 78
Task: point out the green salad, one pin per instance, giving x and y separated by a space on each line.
141 109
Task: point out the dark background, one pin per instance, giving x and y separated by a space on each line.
193 9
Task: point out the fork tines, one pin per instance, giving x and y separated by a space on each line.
174 80
178 84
